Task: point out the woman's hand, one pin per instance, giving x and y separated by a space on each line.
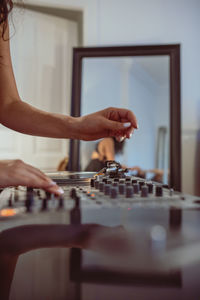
16 172
116 122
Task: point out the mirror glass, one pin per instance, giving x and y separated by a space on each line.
141 84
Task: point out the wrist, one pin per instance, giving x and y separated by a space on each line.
73 127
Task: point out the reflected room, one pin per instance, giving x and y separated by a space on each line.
141 84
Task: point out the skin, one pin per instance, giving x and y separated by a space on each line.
22 117
105 150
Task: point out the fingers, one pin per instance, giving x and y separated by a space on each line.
119 130
123 116
17 172
121 123
38 179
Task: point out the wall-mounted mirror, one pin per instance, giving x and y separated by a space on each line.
145 79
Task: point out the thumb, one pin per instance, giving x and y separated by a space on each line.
114 125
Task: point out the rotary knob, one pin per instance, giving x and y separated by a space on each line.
150 187
101 186
92 182
159 191
122 189
96 184
134 181
107 189
61 202
129 192
121 181
128 178
136 188
29 200
141 183
144 191
105 180
113 192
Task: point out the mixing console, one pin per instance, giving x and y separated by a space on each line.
130 231
97 192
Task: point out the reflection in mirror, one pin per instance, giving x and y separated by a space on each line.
142 84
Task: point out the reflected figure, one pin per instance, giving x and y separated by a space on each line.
62 166
105 150
22 239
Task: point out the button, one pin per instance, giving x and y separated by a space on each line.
144 191
129 191
92 196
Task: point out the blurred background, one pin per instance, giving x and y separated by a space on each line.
43 35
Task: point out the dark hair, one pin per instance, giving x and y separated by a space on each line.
119 146
5 8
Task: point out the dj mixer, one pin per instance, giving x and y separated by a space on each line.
136 238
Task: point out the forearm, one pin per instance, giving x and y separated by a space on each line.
22 117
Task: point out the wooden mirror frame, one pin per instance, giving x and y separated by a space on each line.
173 51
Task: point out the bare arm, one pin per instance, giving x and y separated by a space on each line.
22 117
